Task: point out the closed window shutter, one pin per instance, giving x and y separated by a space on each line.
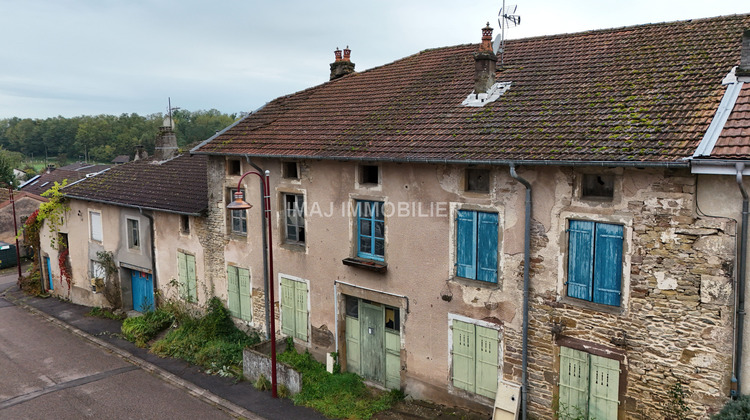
352 344
463 355
287 307
182 275
96 226
192 280
608 264
486 366
300 310
245 305
466 239
233 289
487 247
574 382
580 259
604 388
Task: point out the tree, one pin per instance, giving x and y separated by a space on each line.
7 178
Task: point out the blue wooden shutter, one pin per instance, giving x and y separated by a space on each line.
487 247
580 259
608 264
466 248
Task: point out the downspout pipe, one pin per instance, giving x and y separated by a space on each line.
741 264
267 281
526 262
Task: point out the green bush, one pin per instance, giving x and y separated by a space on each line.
338 395
141 329
738 409
211 341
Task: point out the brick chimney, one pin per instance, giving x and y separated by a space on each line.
342 66
744 68
166 142
140 153
485 63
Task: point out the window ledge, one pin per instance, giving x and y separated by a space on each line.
596 307
474 282
376 266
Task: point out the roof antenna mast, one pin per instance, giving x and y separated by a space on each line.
505 18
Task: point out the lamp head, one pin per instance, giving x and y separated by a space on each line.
238 203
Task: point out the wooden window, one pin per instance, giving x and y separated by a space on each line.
294 308
187 281
369 174
290 170
239 293
475 358
134 236
476 245
370 230
238 218
294 208
478 180
589 385
234 167
598 186
595 262
96 225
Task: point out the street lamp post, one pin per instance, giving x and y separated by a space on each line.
15 229
240 204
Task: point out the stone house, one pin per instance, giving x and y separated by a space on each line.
450 224
149 216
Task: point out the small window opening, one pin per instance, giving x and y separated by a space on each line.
369 174
234 167
598 186
352 306
478 180
290 170
392 318
185 223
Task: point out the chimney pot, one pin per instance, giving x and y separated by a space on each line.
347 53
342 66
486 38
337 54
744 68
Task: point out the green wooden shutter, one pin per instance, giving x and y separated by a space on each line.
287 307
352 344
463 355
192 286
233 291
574 381
182 275
486 365
300 310
603 388
245 295
487 247
392 360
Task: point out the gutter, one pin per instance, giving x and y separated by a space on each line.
526 258
742 262
132 206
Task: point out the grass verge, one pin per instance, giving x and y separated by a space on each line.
141 329
337 395
105 313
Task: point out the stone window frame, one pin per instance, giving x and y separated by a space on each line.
283 193
230 216
579 198
453 237
358 177
627 248
470 175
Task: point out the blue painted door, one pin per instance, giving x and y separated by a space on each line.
49 274
143 291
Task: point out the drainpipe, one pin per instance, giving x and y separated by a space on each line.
741 263
153 250
526 258
267 281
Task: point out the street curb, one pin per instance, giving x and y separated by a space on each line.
192 389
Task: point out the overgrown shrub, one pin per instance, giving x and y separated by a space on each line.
31 283
105 313
339 395
141 329
738 409
211 341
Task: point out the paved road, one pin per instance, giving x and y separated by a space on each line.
46 372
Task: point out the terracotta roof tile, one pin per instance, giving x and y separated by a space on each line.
734 140
641 93
178 185
47 180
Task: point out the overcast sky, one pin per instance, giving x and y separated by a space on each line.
86 57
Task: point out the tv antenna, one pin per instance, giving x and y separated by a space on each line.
505 18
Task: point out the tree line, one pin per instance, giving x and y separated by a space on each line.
101 138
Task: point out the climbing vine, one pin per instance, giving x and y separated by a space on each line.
64 269
112 280
53 210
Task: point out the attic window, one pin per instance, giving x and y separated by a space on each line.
289 170
598 186
368 174
481 99
234 167
478 180
184 224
